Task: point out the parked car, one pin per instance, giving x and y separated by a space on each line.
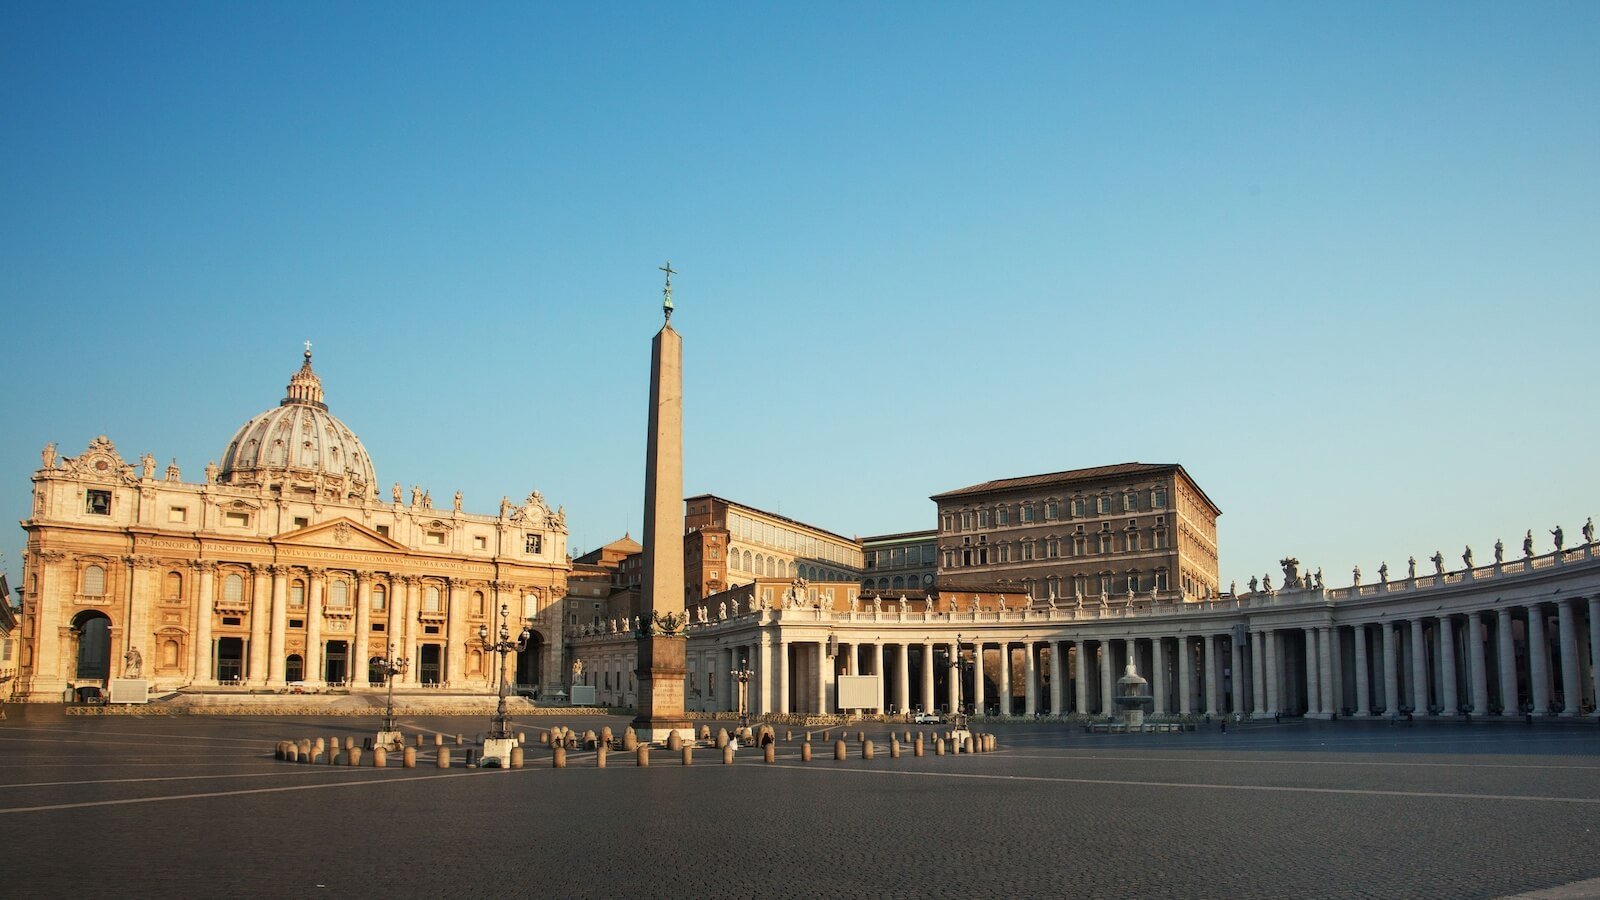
928 718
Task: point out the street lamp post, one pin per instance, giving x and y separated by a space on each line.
743 676
958 717
498 743
389 736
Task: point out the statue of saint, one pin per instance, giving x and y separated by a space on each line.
1319 578
147 464
1466 556
1588 530
1266 583
397 494
1383 573
211 472
1557 535
577 669
458 501
1291 572
1499 551
1438 562
722 610
1355 576
132 663
1527 543
1411 568
1255 584
416 495
48 455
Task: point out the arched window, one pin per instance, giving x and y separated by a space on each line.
380 596
899 582
430 599
477 603
297 593
294 668
169 655
883 584
233 588
1161 579
339 594
1133 582
94 581
749 564
172 586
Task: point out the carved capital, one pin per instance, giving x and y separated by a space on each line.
365 576
317 572
276 570
408 580
51 556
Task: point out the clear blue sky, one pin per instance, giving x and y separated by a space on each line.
1341 261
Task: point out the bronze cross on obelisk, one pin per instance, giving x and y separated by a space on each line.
666 292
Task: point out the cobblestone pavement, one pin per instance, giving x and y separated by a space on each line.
196 807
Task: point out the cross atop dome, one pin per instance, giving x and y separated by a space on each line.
304 385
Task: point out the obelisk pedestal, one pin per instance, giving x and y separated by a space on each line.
662 642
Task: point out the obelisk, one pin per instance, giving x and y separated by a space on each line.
662 643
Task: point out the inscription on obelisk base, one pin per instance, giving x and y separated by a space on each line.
662 643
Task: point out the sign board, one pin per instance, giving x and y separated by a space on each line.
860 692
583 695
129 690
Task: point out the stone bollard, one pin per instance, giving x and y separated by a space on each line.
827 736
349 742
674 743
318 746
938 746
805 751
590 739
727 755
916 746
600 756
516 757
522 738
544 738
722 738
838 749
606 736
861 737
380 758
352 756
908 735
458 739
630 740
972 745
409 759
419 740
558 757
293 753
866 749
688 754
769 753
894 747
642 755
705 732
443 758
277 750
472 759
438 739
333 744
994 742
955 746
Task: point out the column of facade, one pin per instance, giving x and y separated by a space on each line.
408 622
359 651
1363 686
1448 695
819 665
1538 661
1185 676
953 676
781 657
1594 649
1391 670
758 701
977 677
1328 645
852 659
1273 694
1508 662
1567 627
1158 675
1477 663
1080 694
1058 688
1208 658
1313 674
267 656
1030 690
204 614
902 678
877 669
1419 668
927 676
455 625
314 670
1003 680
1258 678
1107 667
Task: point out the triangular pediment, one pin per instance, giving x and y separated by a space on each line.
341 532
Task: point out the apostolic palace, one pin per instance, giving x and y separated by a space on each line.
284 568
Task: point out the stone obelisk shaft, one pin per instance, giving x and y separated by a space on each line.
662 657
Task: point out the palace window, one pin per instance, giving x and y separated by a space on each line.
1052 510
1161 579
1027 550
1078 507
1105 505
431 599
1130 502
339 594
1005 553
1053 548
533 543
1027 513
94 581
1133 582
97 503
1158 498
1105 543
983 518
1002 516
1077 545
297 593
233 588
1105 583
380 596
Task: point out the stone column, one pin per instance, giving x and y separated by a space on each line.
1003 680
1258 677
977 677
757 702
1081 677
1448 696
1313 674
1506 651
1477 661
1571 689
1108 668
408 624
1185 676
820 666
267 657
1273 690
953 675
1363 686
1208 658
1030 689
1328 646
781 658
1419 669
455 624
1058 688
902 678
315 582
360 651
1391 670
849 651
1158 675
204 615
1594 649
877 669
927 676
1538 660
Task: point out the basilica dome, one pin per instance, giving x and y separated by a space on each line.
299 447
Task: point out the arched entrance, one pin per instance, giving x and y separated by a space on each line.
230 660
530 664
336 662
429 670
93 630
294 668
